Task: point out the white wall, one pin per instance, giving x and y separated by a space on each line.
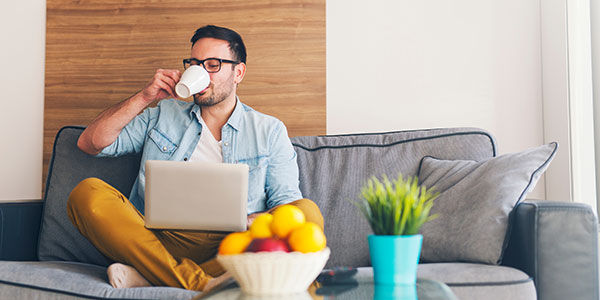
595 20
395 65
22 36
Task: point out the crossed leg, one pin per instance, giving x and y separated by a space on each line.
110 222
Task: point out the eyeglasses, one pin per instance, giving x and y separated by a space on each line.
211 65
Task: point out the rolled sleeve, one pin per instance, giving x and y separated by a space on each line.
282 184
132 136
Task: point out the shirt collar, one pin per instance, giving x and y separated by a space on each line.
235 119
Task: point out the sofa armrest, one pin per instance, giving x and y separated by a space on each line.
19 229
556 243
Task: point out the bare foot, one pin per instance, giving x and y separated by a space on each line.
216 282
124 276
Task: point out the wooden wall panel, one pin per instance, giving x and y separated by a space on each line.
102 51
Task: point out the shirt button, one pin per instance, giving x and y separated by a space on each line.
185 159
226 144
164 148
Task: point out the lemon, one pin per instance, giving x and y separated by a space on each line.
261 226
285 219
307 238
235 243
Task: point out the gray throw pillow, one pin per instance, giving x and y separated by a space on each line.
475 200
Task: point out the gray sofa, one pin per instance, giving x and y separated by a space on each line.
552 250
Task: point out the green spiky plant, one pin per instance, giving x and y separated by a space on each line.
398 207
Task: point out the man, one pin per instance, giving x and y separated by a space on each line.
216 127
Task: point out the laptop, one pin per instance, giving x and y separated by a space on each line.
196 195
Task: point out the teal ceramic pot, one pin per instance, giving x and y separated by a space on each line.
395 258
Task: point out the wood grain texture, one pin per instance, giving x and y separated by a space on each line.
101 52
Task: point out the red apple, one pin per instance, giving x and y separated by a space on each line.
267 244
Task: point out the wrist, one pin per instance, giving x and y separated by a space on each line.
141 100
141 95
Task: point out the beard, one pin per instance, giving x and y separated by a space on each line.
214 95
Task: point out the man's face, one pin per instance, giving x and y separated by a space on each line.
223 83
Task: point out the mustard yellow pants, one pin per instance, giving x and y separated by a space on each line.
176 258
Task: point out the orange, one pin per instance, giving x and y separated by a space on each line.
307 238
235 243
285 219
261 226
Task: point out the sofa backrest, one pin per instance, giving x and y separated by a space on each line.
333 169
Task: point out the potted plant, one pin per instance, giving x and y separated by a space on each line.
395 210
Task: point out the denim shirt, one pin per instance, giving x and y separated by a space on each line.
171 130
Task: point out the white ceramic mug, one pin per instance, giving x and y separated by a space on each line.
194 80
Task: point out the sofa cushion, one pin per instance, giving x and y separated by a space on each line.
69 280
59 239
478 281
42 280
475 200
334 168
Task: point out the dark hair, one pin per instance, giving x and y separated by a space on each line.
236 45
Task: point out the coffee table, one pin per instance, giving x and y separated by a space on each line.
358 287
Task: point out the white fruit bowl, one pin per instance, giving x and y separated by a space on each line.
274 273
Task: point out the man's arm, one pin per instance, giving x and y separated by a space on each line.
282 185
105 128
